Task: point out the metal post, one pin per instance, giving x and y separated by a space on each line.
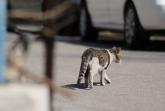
49 32
49 63
49 47
2 39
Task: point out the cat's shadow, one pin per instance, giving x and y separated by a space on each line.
78 86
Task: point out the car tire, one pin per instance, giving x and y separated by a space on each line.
87 31
134 34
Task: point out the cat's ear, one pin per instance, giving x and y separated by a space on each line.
118 49
113 49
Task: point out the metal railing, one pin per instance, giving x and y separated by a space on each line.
49 18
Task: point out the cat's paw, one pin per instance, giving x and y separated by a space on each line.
90 86
102 84
86 85
78 81
108 82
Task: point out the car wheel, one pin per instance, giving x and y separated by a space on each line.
87 31
134 35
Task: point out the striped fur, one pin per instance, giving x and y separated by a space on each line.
83 68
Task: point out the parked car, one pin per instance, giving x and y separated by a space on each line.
138 19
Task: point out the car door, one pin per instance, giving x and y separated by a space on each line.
99 11
116 13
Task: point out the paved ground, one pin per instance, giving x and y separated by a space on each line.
137 84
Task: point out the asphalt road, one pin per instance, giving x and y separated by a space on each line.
137 83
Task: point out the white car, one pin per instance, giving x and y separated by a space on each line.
138 19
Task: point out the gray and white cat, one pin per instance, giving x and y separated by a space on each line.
96 61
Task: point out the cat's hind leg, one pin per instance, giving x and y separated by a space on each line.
90 80
107 79
86 78
93 69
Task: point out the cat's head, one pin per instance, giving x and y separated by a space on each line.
116 51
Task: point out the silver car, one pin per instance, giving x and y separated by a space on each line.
138 19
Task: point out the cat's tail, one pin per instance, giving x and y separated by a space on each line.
83 69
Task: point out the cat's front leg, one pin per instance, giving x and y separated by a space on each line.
107 79
102 75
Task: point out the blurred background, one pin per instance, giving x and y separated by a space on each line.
41 46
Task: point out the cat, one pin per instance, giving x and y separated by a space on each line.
96 61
